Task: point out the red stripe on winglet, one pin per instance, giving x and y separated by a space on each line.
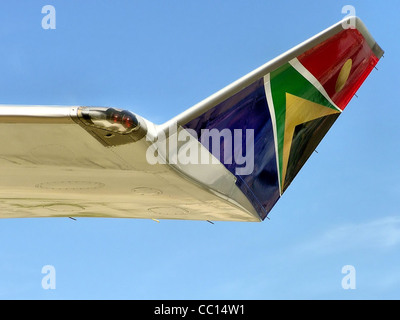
327 59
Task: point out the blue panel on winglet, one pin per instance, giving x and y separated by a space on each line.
248 109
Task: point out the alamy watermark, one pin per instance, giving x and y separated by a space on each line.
349 280
184 146
49 20
49 280
350 23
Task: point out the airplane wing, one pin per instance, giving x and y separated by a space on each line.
228 158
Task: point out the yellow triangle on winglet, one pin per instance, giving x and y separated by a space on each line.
298 111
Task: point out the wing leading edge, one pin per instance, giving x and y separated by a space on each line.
105 162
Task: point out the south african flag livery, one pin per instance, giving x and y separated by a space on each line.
290 109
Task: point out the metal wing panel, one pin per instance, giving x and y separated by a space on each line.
51 166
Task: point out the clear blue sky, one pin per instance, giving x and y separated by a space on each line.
158 58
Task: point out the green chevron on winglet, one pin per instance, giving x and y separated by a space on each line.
296 101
